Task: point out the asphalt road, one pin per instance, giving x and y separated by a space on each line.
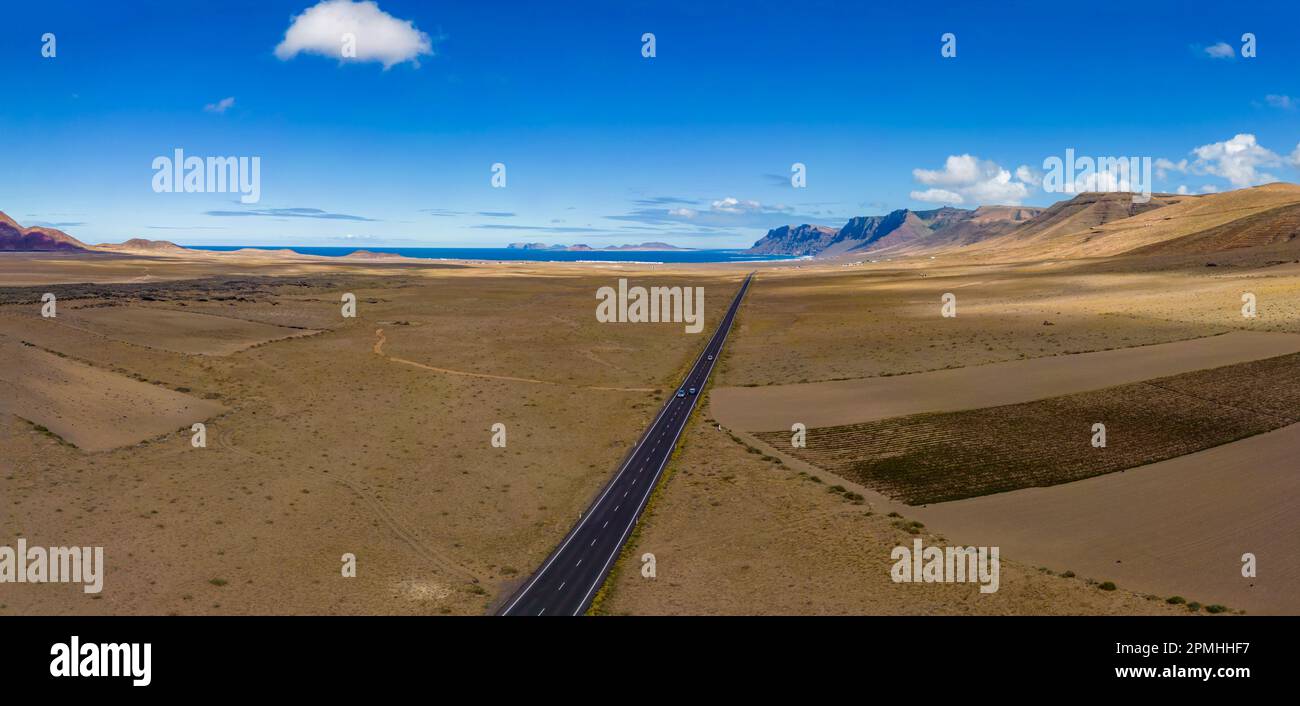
571 575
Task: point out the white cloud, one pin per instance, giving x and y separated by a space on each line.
1238 160
1106 181
1221 50
220 106
1182 190
957 170
734 205
1164 166
936 196
726 213
1283 102
322 28
968 178
1295 155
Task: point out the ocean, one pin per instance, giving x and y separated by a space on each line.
652 256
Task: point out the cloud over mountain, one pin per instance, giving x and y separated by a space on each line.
966 178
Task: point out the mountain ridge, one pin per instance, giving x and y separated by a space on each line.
1090 224
901 230
16 238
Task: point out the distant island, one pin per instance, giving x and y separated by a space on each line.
581 247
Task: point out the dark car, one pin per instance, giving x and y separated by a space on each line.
692 390
682 393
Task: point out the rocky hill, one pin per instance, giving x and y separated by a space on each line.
14 237
897 232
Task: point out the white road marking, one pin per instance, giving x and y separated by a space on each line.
659 471
719 339
581 522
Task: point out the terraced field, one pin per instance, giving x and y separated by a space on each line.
936 457
1274 226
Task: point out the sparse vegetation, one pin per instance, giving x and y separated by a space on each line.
929 458
909 526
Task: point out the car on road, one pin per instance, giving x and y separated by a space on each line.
710 356
681 393
692 390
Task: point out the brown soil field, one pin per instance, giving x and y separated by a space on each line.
930 458
42 269
733 534
821 404
94 409
178 331
832 323
328 448
372 436
1178 526
732 538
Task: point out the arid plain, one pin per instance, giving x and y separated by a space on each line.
371 435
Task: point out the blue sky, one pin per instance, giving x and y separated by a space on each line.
604 146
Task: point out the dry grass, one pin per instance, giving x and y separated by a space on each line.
328 448
735 534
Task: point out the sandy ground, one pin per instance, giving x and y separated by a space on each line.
839 323
777 407
177 331
739 541
45 269
334 443
733 534
94 409
328 447
1178 525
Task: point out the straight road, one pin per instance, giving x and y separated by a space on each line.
567 581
